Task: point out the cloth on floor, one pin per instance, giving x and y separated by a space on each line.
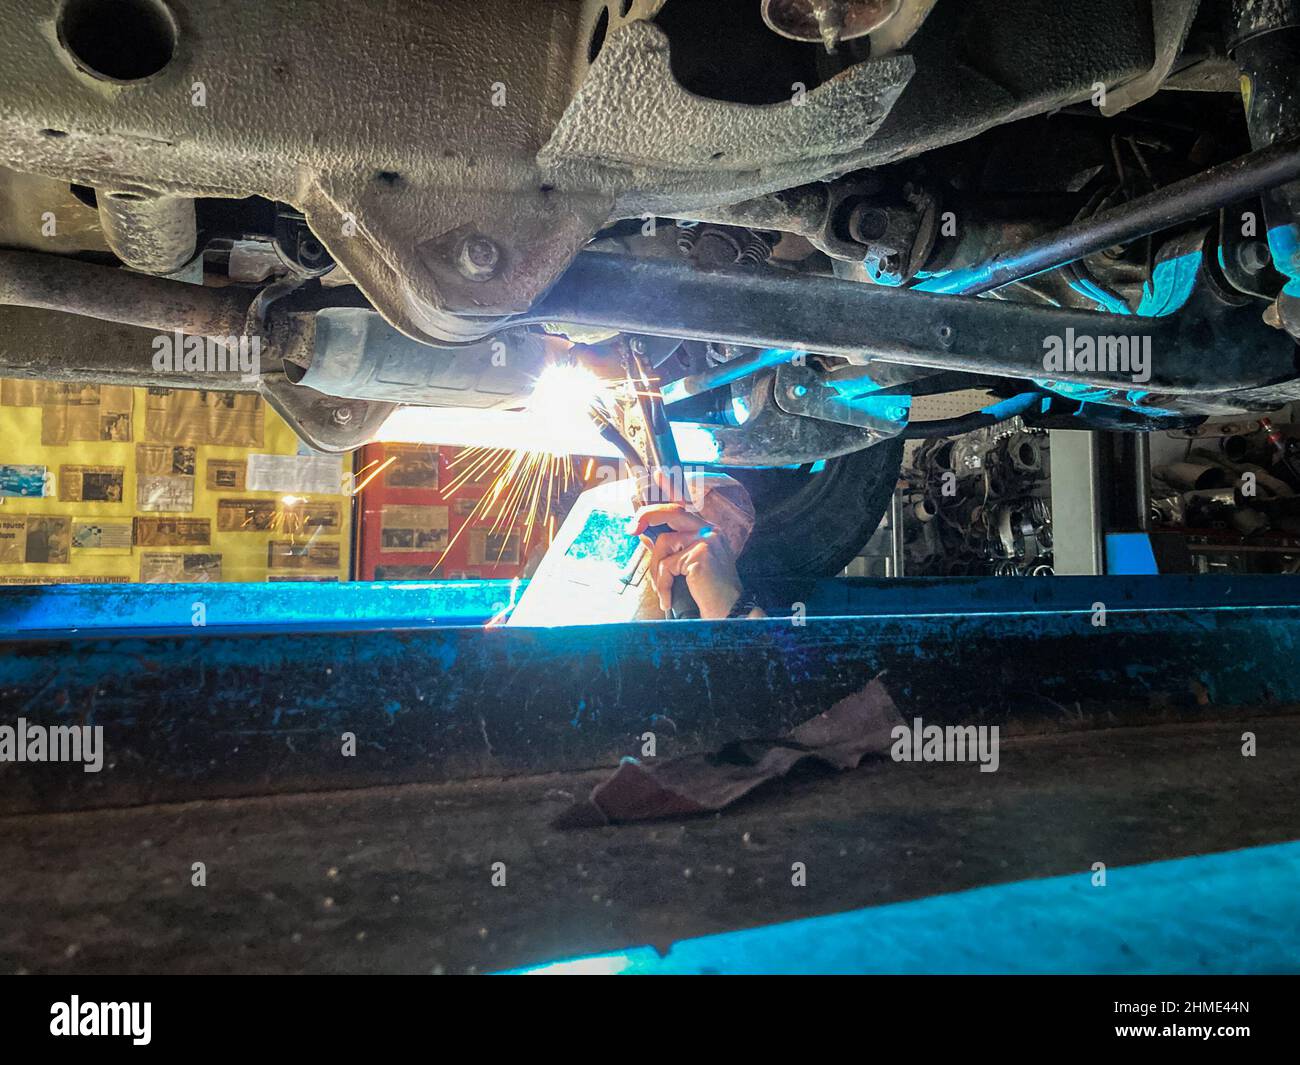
858 725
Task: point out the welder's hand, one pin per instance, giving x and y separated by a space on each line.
693 550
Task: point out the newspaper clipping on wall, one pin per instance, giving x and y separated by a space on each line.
412 528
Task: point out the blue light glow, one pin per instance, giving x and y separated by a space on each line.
1106 301
1236 912
1171 285
1284 243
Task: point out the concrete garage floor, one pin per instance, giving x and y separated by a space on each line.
397 879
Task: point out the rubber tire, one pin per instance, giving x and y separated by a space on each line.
812 525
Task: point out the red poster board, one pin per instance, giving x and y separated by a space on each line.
414 509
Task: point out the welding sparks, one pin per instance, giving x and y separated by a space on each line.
524 485
369 474
522 488
524 459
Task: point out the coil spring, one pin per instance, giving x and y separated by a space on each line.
687 235
757 250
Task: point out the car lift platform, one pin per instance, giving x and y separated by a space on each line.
1122 702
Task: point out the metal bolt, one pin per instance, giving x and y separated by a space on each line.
868 224
342 415
897 414
799 391
830 22
1253 256
478 259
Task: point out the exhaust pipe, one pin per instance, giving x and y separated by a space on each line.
148 231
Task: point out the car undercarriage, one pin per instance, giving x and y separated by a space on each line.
802 215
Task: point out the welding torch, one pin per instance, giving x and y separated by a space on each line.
661 456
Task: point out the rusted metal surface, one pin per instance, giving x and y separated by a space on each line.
38 345
51 283
631 112
776 309
407 127
148 232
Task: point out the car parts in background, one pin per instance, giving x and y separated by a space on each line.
789 186
979 504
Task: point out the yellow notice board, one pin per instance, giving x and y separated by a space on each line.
107 484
